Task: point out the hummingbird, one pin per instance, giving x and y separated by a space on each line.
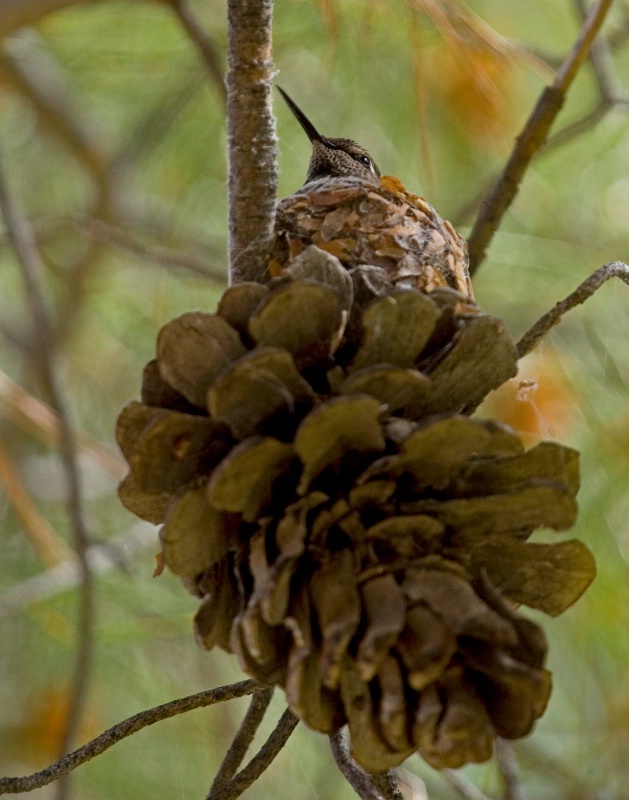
333 158
373 221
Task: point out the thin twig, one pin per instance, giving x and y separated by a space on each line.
46 542
42 423
203 43
601 60
117 553
243 738
106 233
160 118
532 138
360 780
264 758
463 787
123 729
508 766
23 241
615 269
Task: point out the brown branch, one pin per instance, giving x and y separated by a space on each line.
387 785
243 738
462 786
123 729
106 233
39 420
509 771
40 80
259 763
615 269
203 43
159 119
532 138
18 13
360 780
23 242
51 549
252 142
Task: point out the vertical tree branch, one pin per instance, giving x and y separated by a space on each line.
23 241
532 138
252 142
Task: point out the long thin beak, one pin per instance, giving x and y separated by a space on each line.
313 133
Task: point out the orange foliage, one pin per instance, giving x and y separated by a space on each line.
474 83
539 403
40 733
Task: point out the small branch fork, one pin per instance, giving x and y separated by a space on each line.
532 138
236 753
615 269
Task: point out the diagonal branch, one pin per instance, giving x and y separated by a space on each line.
532 138
203 43
123 729
615 269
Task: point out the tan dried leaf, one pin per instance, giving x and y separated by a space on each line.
302 318
259 392
426 645
396 329
196 535
547 460
339 426
453 599
540 504
193 350
176 449
368 746
319 265
213 621
151 506
245 480
452 727
384 611
319 707
131 423
393 711
549 577
262 649
398 389
482 357
238 303
336 604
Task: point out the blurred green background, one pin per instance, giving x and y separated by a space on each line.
112 137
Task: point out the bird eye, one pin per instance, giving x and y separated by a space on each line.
365 160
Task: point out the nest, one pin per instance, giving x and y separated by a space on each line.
384 226
354 536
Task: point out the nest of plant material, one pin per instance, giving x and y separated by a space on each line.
383 225
353 535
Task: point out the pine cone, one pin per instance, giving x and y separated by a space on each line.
353 535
